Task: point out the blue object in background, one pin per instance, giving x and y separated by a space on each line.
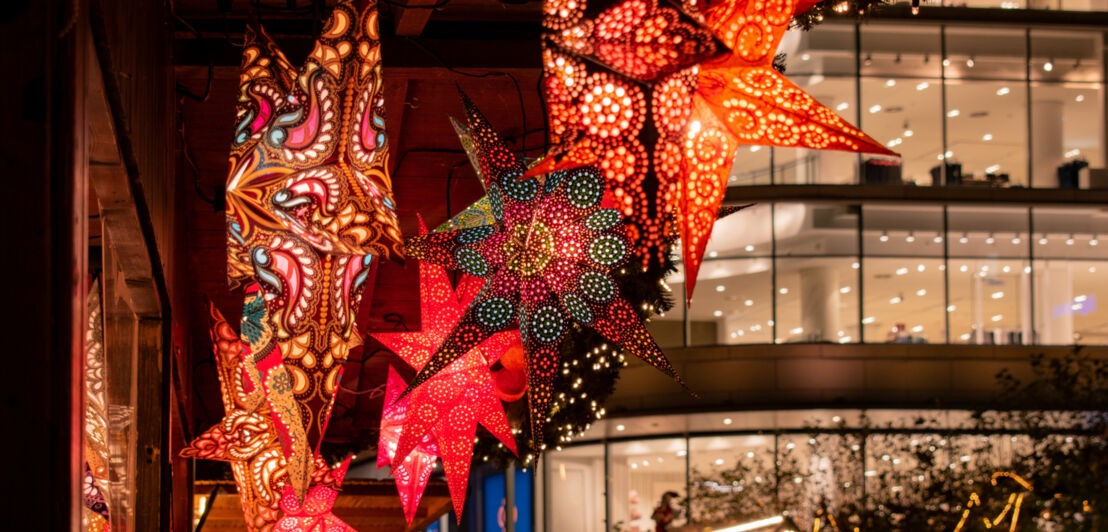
433 528
494 511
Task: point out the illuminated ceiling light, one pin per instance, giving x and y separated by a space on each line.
620 428
726 421
749 248
890 83
844 290
1081 298
953 113
1092 269
997 295
946 62
1073 153
713 254
997 317
917 328
990 240
949 154
1070 240
1079 98
846 339
805 56
719 461
951 308
970 62
884 237
842 106
1042 240
1094 241
875 108
922 86
720 288
1048 65
992 169
938 239
921 268
965 336
902 271
910 238
854 265
718 313
1003 91
895 299
1006 268
797 330
868 320
987 137
921 292
964 239
1016 240
963 268
841 7
783 291
749 302
755 149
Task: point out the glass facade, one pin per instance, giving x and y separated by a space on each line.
963 105
789 272
755 464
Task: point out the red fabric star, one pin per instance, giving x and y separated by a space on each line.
450 404
411 472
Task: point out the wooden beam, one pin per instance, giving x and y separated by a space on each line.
410 21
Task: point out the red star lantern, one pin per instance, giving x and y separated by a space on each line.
703 101
314 514
450 404
547 258
411 472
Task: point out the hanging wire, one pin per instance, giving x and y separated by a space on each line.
181 89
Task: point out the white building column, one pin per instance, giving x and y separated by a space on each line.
819 303
1053 298
1047 150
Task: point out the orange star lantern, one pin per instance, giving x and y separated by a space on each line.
693 114
449 405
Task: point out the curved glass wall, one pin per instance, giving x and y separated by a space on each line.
963 105
790 272
722 469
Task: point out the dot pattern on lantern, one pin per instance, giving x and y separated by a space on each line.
700 112
440 417
549 256
314 512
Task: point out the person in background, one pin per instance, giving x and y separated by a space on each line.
664 515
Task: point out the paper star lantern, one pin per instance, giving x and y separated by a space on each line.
246 437
314 513
309 201
96 451
667 137
452 402
546 259
410 472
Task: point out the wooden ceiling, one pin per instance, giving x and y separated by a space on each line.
431 176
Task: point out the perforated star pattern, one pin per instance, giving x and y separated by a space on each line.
546 259
411 472
450 404
314 514
666 138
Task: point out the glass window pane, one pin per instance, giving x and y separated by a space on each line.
817 300
986 53
826 49
902 230
1067 122
668 328
903 300
1068 55
1090 317
575 488
733 303
739 467
640 473
1070 276
751 166
989 276
893 50
816 229
986 133
906 114
1070 232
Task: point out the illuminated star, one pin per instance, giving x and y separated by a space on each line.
547 260
453 401
666 136
314 514
412 472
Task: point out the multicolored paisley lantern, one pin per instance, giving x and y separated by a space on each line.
309 203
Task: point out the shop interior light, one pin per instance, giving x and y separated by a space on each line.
754 525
